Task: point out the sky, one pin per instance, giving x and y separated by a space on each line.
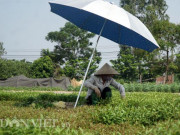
24 24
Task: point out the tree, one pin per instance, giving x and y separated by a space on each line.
73 46
141 58
177 62
42 68
146 10
2 50
81 66
10 68
46 52
125 64
167 35
57 69
72 43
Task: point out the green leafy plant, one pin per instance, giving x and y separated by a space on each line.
145 109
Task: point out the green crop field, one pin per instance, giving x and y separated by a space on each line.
140 113
132 87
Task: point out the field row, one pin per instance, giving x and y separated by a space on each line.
132 87
139 113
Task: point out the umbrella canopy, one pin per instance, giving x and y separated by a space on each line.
107 20
120 27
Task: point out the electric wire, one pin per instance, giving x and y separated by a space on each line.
105 55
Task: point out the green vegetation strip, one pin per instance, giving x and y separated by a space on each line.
151 87
39 99
31 88
141 108
132 87
139 113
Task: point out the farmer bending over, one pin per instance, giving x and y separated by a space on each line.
98 85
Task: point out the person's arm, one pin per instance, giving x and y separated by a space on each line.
119 87
90 84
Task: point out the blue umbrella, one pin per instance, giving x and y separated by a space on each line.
107 20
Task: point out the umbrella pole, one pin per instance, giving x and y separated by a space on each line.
90 63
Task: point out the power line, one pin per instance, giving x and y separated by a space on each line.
21 55
57 53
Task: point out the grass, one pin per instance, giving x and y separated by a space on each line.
140 113
132 87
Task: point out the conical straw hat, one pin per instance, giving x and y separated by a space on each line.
106 70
